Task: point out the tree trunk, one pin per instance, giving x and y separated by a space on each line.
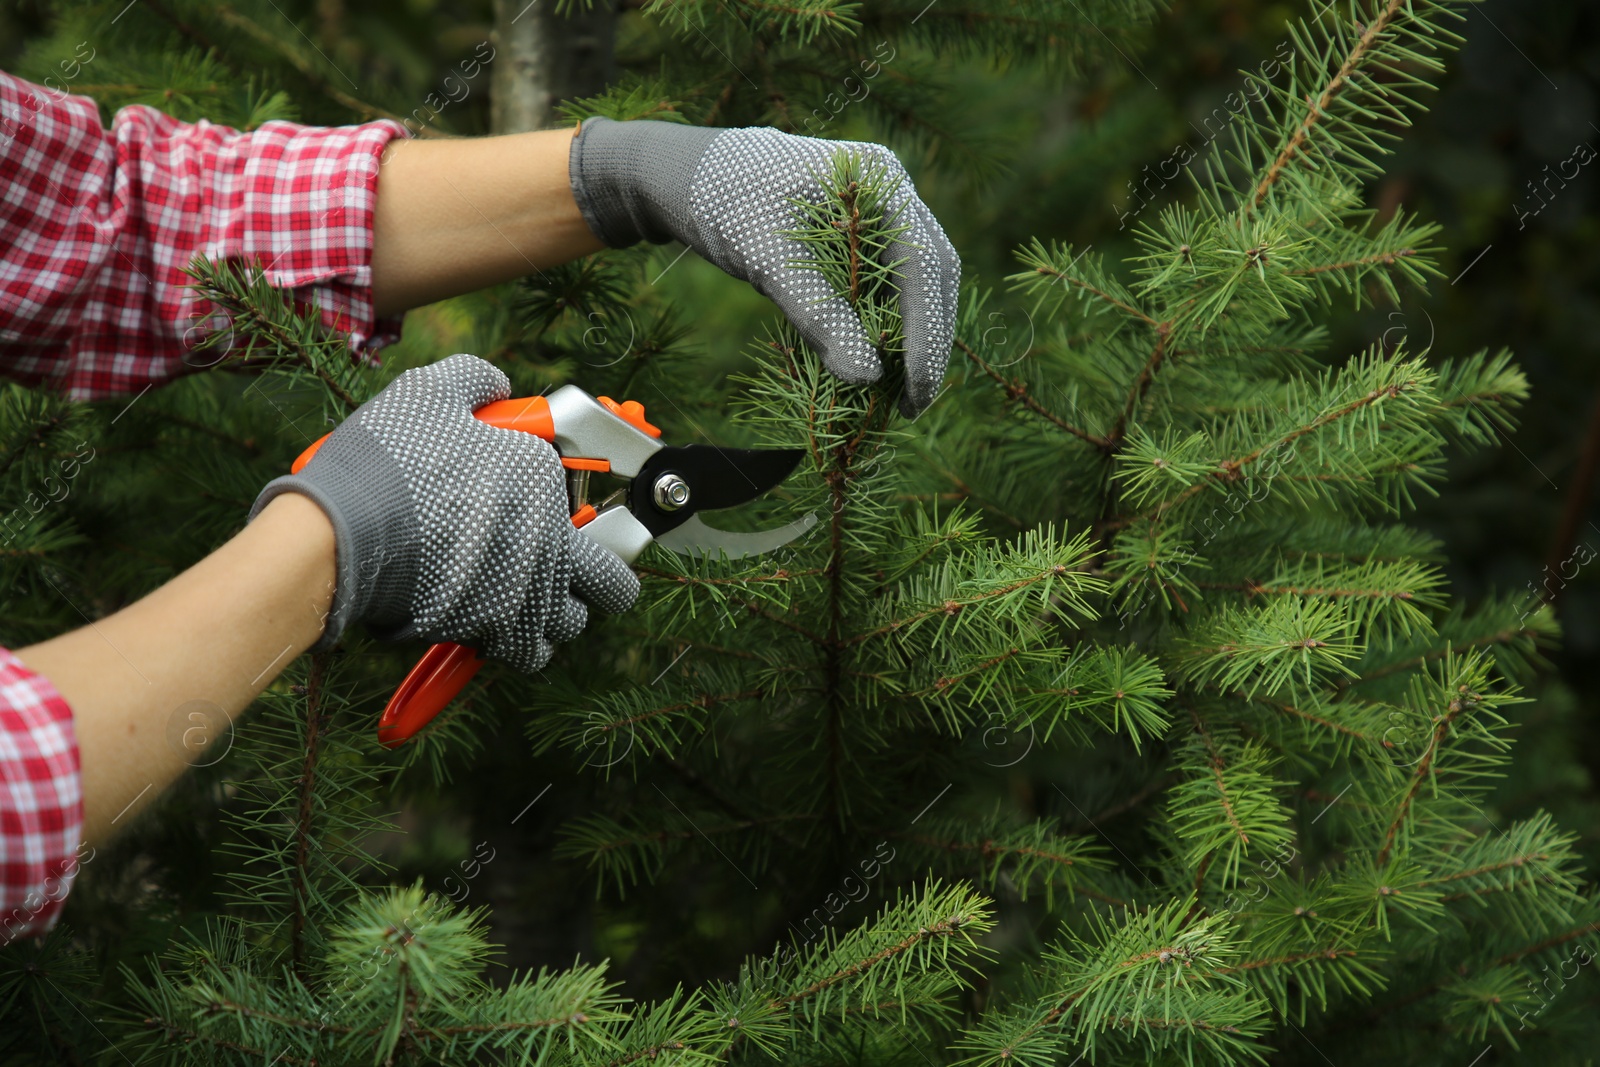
543 58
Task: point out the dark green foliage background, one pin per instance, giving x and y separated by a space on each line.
1015 156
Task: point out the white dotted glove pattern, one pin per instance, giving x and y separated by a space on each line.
450 529
736 204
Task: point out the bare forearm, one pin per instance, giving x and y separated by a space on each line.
214 636
454 216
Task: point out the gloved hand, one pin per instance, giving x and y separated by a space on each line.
726 193
449 529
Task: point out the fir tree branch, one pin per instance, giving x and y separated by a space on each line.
1141 385
1330 953
780 575
1138 798
705 702
1300 713
1501 637
248 445
1253 589
1230 469
173 1030
657 836
1501 961
952 607
299 881
37 437
692 642
649 1052
987 848
1386 259
698 783
1422 773
219 1006
1098 294
232 293
944 928
810 635
1217 766
1016 389
1548 943
1315 110
278 43
193 33
944 682
422 1035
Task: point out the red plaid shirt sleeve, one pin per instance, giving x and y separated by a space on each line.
95 228
41 802
98 225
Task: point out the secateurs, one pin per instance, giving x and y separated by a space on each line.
668 485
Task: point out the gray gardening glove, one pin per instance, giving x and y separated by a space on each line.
449 529
726 193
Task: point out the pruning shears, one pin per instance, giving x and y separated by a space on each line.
668 486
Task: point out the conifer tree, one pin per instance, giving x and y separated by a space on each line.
1108 712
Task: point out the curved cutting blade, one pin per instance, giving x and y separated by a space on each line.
716 477
693 537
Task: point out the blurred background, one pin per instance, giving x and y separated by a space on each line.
1505 161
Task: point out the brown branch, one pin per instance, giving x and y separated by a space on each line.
944 928
779 575
1141 384
1138 798
1385 258
1501 637
1278 961
986 848
756 609
944 682
1548 943
1257 589
953 607
1016 389
1300 713
1229 470
1486 869
242 309
1508 958
1424 769
1097 293
1319 108
704 702
1222 791
649 1052
174 1031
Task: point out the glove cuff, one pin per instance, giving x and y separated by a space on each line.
632 179
352 478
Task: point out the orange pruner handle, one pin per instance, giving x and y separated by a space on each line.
442 672
445 669
434 682
530 414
